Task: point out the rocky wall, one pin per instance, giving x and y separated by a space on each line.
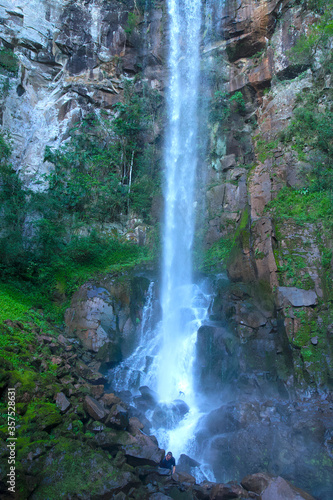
72 59
248 166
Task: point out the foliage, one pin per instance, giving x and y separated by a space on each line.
132 22
13 303
316 40
104 170
8 61
302 208
265 149
220 108
216 257
239 99
311 134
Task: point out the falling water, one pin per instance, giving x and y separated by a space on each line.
180 163
170 346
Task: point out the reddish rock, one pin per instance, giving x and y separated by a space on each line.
56 361
141 450
279 489
256 482
110 399
46 339
224 492
95 409
135 426
183 477
62 340
97 391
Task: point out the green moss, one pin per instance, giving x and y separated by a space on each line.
132 22
74 469
216 257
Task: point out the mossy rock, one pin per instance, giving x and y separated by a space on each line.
73 469
41 417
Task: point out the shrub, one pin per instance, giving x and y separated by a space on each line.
8 61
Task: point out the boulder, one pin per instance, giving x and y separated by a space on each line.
181 406
142 450
95 409
183 477
135 426
225 492
256 482
89 373
186 463
110 399
62 402
279 489
117 418
296 296
149 394
167 415
97 391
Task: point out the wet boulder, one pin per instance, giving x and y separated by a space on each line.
104 316
256 482
149 394
273 488
181 406
94 408
117 418
169 415
142 450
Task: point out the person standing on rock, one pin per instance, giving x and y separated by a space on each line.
168 462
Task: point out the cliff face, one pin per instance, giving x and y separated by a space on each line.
73 56
252 164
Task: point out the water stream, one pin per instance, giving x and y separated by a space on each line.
164 358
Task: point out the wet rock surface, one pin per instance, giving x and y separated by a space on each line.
104 316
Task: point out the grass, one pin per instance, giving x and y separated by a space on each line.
13 303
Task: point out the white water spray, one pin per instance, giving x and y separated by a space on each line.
170 346
180 164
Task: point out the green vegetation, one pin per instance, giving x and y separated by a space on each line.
302 207
132 22
13 303
221 105
8 61
313 355
265 149
216 258
317 40
238 98
51 241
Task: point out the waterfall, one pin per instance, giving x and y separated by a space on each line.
165 355
180 165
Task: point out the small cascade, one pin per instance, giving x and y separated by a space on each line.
135 370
